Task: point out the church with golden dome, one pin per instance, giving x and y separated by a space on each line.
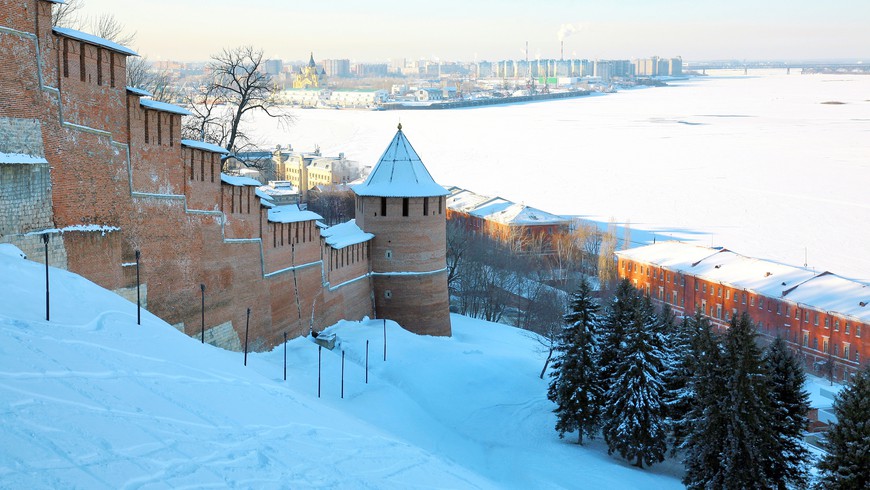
309 76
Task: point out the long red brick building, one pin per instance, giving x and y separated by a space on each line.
101 169
823 316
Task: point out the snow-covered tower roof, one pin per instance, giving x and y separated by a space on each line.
400 173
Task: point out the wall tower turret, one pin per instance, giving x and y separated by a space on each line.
404 208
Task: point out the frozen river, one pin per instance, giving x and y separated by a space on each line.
764 165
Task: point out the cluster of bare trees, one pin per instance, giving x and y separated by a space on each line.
522 278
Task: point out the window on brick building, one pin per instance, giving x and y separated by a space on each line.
147 133
383 206
719 311
760 303
857 356
836 350
404 206
440 208
425 206
816 319
815 343
111 69
704 288
719 292
846 350
857 330
778 309
806 339
683 281
846 325
752 301
696 285
806 316
828 324
825 345
787 311
743 298
674 297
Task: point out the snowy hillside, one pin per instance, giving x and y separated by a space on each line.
91 400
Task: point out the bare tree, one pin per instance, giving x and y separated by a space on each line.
68 14
160 83
108 27
245 87
606 266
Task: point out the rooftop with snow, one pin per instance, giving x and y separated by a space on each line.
823 291
400 173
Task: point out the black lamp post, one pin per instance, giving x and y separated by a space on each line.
45 238
138 297
202 309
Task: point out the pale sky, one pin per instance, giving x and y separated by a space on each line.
380 30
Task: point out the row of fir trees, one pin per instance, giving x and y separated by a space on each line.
654 386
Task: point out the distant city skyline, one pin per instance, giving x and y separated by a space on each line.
383 30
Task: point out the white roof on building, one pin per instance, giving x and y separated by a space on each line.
202 145
163 106
522 215
345 234
239 181
464 200
139 91
21 159
825 291
830 292
400 173
91 39
290 213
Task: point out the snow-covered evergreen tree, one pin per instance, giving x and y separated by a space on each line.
847 464
618 317
636 424
705 422
747 409
789 457
680 394
576 388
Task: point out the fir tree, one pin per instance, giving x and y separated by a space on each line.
748 423
705 423
619 315
636 425
679 394
790 403
575 387
847 464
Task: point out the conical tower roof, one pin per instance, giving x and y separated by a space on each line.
400 173
311 60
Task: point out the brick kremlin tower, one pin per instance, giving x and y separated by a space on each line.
404 208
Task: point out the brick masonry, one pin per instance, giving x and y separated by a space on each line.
114 163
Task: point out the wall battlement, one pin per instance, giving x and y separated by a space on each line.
97 155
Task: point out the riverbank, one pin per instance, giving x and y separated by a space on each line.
456 104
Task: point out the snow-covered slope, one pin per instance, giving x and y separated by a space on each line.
91 400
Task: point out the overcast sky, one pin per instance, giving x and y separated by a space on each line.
380 30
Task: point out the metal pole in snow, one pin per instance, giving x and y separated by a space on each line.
202 333
138 297
385 339
45 238
247 322
285 356
367 362
319 350
342 375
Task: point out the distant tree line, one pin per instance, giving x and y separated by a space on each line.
733 412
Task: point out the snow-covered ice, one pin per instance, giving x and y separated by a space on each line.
91 400
759 164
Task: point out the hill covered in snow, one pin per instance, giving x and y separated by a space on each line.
91 400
